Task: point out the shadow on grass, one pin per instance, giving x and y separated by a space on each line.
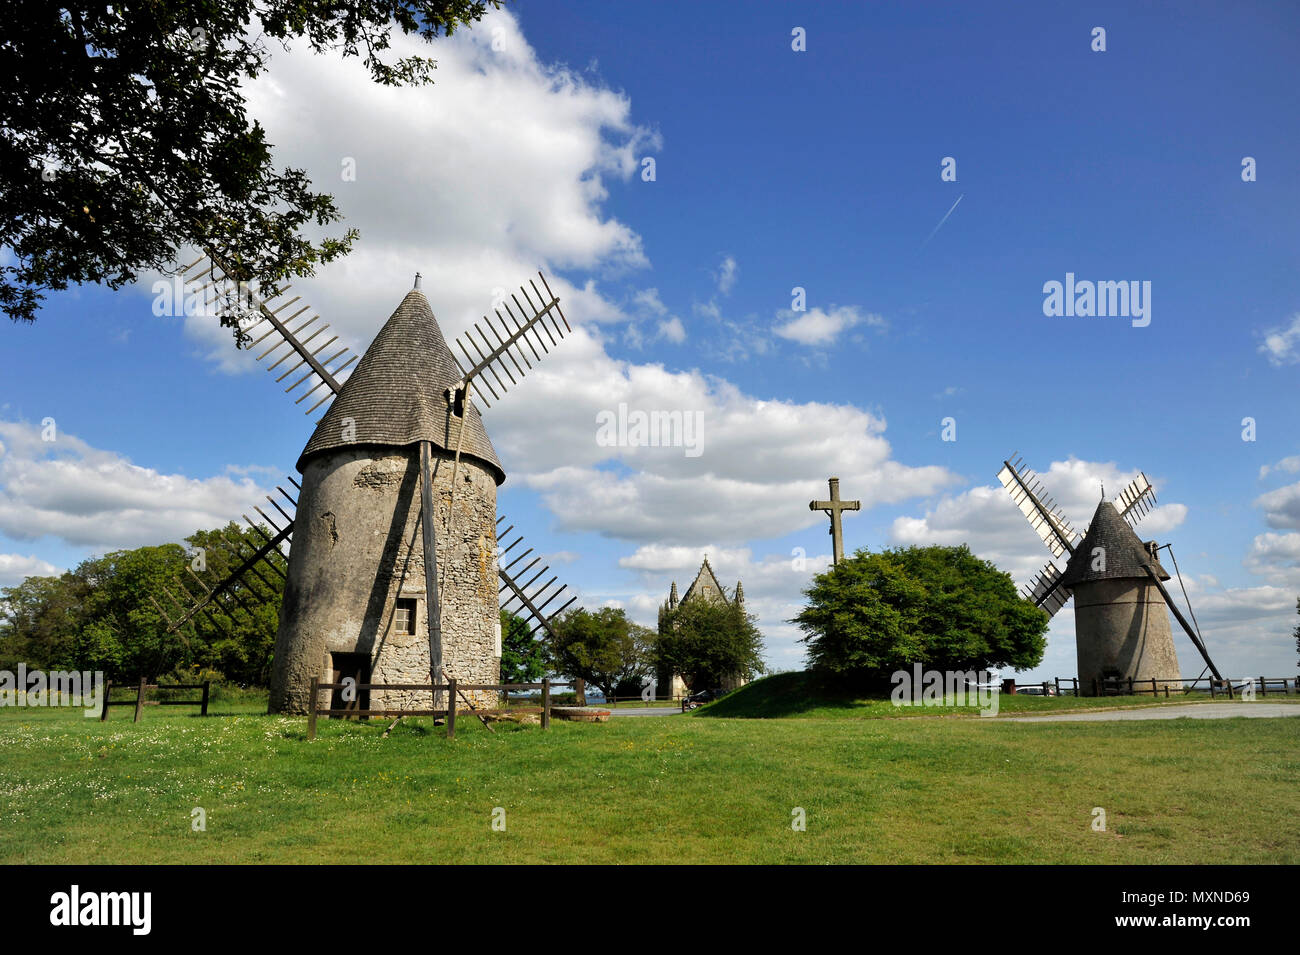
784 694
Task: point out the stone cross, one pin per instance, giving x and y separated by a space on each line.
833 508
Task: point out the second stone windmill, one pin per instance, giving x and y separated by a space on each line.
1121 606
393 572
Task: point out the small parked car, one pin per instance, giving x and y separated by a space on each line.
699 698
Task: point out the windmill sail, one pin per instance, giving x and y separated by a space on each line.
252 309
1045 590
526 596
1136 500
225 595
533 326
1039 509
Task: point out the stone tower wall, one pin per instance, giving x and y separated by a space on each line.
358 547
1122 627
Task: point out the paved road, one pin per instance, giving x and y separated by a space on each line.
641 710
1196 711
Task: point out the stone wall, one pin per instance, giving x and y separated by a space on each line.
1122 628
358 548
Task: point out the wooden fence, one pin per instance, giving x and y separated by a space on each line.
1126 686
452 688
142 688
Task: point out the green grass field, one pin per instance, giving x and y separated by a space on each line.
702 788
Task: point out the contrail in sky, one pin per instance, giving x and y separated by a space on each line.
943 220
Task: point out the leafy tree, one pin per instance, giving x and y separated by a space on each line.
124 632
124 134
238 644
604 647
1296 633
940 606
114 613
41 615
708 642
523 658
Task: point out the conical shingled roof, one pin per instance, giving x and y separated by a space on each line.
1126 555
398 394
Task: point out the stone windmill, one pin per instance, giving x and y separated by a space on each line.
1120 601
393 572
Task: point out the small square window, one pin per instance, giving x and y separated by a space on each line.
404 617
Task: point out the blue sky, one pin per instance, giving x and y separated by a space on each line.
774 169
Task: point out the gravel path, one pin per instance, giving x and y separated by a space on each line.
1196 711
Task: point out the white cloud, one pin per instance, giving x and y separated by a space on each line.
708 309
750 479
14 567
1276 557
1290 465
672 330
497 170
1281 506
648 301
819 327
727 274
1282 345
99 500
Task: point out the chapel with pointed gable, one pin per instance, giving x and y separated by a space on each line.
705 586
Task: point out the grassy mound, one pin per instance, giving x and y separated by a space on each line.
785 694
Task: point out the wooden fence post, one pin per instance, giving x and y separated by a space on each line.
580 689
139 701
204 711
311 708
1095 691
1263 687
546 703
451 709
103 713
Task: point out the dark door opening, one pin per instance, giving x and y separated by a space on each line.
357 667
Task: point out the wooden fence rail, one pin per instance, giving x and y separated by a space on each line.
142 688
1126 686
452 688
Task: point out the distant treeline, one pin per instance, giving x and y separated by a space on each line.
112 613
